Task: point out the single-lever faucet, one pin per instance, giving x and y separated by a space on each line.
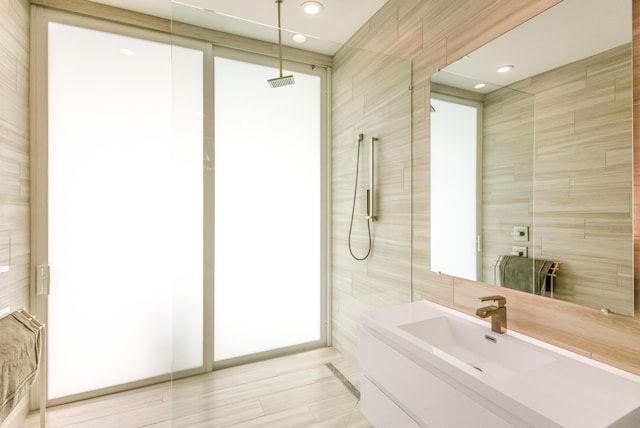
498 313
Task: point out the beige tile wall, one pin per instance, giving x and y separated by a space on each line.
433 34
14 152
507 173
583 171
583 178
370 96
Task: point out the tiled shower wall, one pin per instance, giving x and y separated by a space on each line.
433 34
14 153
370 96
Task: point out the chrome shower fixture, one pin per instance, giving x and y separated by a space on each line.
370 217
277 82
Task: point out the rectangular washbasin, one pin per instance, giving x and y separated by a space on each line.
472 344
519 380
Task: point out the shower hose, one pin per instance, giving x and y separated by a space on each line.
353 209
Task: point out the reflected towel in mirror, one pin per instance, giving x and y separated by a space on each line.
522 273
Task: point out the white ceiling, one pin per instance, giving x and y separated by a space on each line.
326 32
569 31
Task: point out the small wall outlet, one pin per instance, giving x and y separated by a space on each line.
519 251
520 233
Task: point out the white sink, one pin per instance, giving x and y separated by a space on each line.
434 362
474 345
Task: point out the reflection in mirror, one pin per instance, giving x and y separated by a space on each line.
551 161
482 151
455 142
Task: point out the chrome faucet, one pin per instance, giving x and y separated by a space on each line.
497 313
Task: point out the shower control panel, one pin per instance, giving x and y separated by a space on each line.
520 233
519 251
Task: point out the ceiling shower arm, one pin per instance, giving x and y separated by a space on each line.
276 82
279 36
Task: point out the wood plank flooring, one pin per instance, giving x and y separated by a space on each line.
294 391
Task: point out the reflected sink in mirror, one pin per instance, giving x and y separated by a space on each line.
489 353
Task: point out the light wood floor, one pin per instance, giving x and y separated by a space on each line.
295 391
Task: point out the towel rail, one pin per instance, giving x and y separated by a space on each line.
31 318
553 273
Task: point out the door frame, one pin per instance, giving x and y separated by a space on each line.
40 19
38 117
325 206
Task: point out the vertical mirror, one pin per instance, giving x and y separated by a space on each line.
553 158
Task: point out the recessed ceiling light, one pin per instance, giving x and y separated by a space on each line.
126 52
312 7
299 38
479 85
505 68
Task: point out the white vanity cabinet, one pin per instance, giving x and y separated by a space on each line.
396 392
425 365
381 411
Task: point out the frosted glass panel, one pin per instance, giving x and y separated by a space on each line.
267 210
187 207
125 209
454 132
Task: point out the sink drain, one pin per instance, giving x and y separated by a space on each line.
490 338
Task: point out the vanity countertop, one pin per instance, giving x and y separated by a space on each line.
518 373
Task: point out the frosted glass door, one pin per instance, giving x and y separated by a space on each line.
125 209
267 210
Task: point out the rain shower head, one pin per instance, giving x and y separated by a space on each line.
277 82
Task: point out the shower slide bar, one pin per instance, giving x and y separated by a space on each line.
371 202
371 212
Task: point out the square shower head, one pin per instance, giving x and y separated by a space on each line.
276 82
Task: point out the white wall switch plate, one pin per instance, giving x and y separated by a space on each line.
519 251
520 233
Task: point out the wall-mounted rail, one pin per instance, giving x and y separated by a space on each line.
371 194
